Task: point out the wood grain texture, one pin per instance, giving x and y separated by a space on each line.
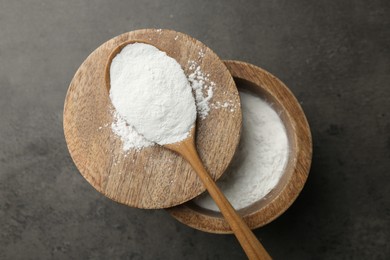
267 86
153 177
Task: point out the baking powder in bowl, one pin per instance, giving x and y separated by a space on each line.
260 160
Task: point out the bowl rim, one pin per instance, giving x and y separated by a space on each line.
299 162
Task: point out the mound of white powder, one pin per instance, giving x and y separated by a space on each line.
150 91
260 159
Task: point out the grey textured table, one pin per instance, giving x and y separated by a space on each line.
335 57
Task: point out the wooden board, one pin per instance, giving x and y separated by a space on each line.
270 88
153 177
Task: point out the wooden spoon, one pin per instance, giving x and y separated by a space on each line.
187 149
248 241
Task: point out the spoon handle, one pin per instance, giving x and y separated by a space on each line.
251 245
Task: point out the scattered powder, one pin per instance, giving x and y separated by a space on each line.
130 137
201 53
226 104
203 89
260 159
150 91
202 86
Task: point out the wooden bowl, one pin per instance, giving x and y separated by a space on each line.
258 214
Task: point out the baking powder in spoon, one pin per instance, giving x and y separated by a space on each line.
151 95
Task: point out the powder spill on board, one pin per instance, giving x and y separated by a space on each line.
203 88
260 159
130 137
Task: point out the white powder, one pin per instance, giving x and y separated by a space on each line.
204 90
202 86
260 159
150 91
130 137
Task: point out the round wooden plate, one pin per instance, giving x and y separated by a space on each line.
270 88
153 177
